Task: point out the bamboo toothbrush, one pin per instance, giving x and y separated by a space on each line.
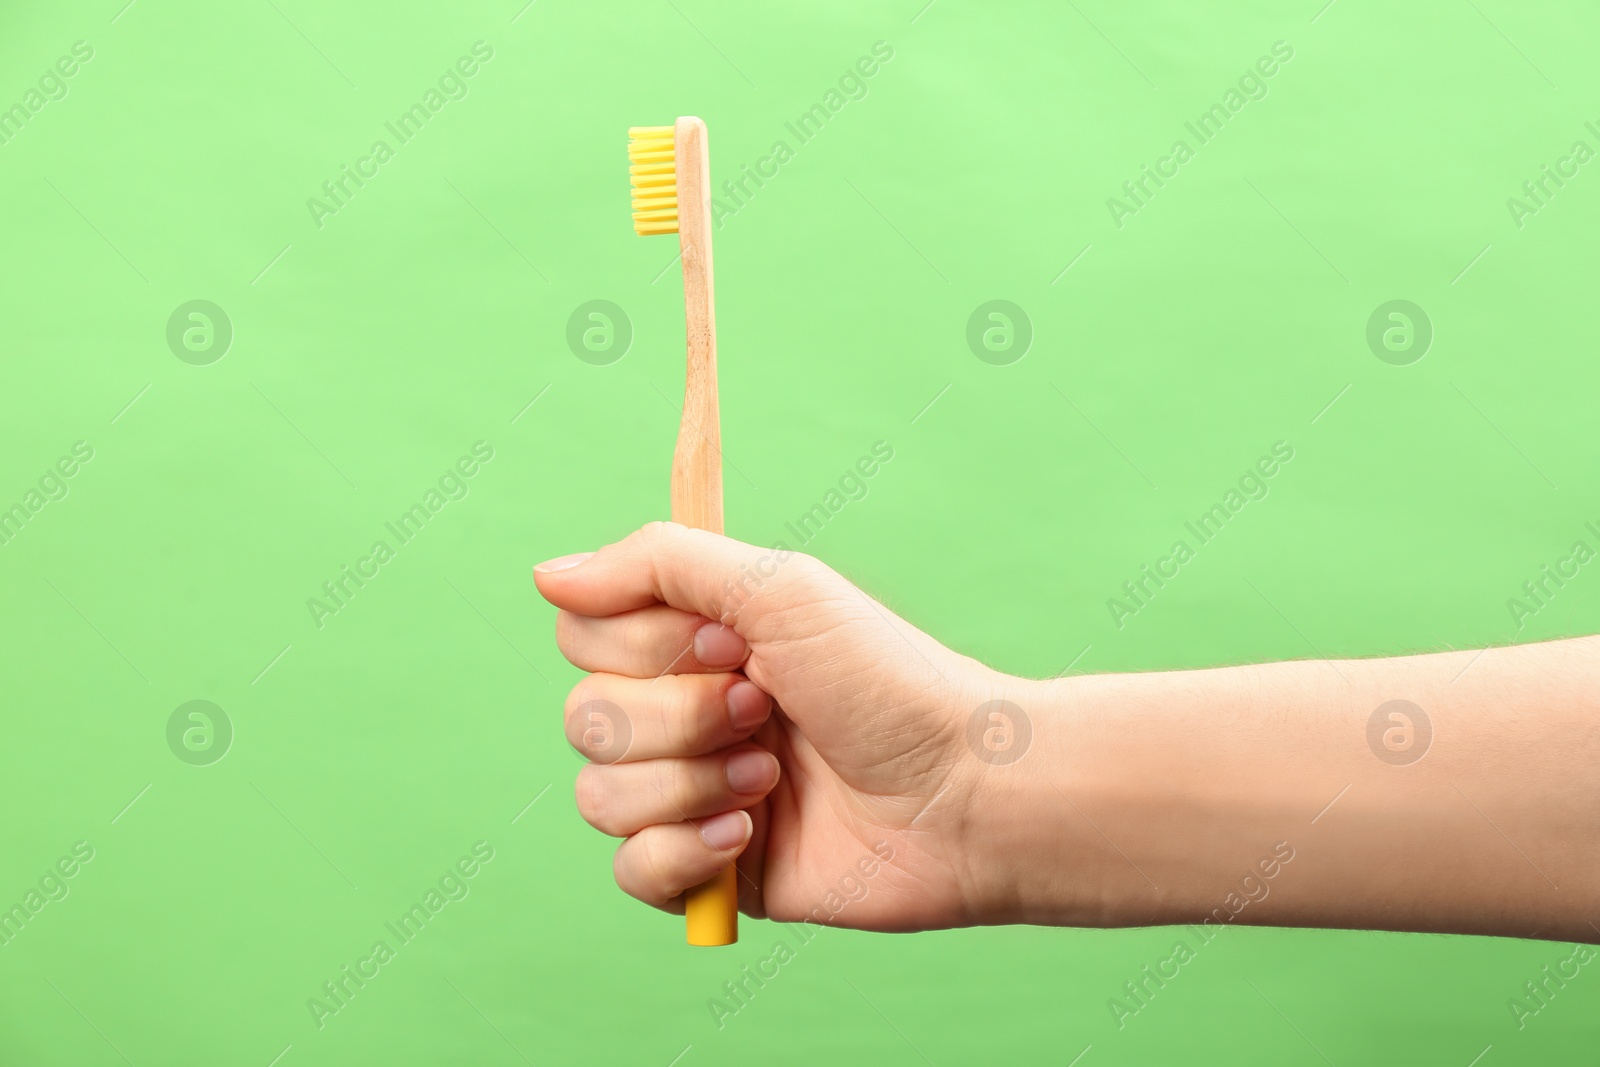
670 172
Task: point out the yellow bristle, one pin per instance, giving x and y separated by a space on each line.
652 174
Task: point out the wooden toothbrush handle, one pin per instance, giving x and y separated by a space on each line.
711 910
697 463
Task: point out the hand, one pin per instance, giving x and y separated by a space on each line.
1241 795
835 767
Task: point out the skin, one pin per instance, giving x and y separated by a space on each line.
757 706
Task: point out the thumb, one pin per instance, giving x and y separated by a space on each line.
692 570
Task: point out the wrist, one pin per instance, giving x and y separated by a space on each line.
1018 753
1103 812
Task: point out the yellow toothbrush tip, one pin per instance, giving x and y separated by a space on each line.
652 172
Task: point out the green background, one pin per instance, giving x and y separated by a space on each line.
371 352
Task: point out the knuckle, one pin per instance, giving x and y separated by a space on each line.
634 637
641 871
651 862
778 579
808 570
654 533
591 796
571 714
567 633
587 720
686 722
622 863
666 776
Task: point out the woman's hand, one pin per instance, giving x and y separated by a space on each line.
750 703
1287 794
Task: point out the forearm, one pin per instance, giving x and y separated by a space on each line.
1252 795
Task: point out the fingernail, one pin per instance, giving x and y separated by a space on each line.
748 705
725 831
716 645
562 563
750 771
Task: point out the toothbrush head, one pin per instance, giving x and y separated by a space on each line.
653 174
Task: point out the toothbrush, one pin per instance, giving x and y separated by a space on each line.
670 172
